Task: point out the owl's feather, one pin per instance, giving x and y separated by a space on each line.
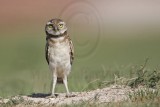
72 50
67 38
46 53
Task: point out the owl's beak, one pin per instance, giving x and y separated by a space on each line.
55 29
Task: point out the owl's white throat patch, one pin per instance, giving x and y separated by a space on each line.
58 40
60 32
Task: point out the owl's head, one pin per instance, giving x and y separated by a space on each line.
55 27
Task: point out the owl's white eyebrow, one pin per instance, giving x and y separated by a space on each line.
61 23
49 23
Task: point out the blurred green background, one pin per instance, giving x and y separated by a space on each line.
110 37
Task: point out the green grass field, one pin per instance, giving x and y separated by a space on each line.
24 69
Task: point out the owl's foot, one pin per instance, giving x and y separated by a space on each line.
70 95
53 96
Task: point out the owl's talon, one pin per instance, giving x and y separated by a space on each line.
70 95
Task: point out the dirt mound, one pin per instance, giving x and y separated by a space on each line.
114 93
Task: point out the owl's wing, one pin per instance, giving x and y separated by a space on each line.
71 51
46 53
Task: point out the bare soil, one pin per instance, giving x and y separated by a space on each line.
114 93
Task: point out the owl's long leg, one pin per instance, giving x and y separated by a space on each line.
54 80
51 85
65 84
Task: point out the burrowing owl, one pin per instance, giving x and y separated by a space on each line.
59 52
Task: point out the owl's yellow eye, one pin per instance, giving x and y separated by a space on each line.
60 25
50 26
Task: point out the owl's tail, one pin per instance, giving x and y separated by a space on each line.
59 80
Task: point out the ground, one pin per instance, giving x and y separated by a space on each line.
114 93
111 94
